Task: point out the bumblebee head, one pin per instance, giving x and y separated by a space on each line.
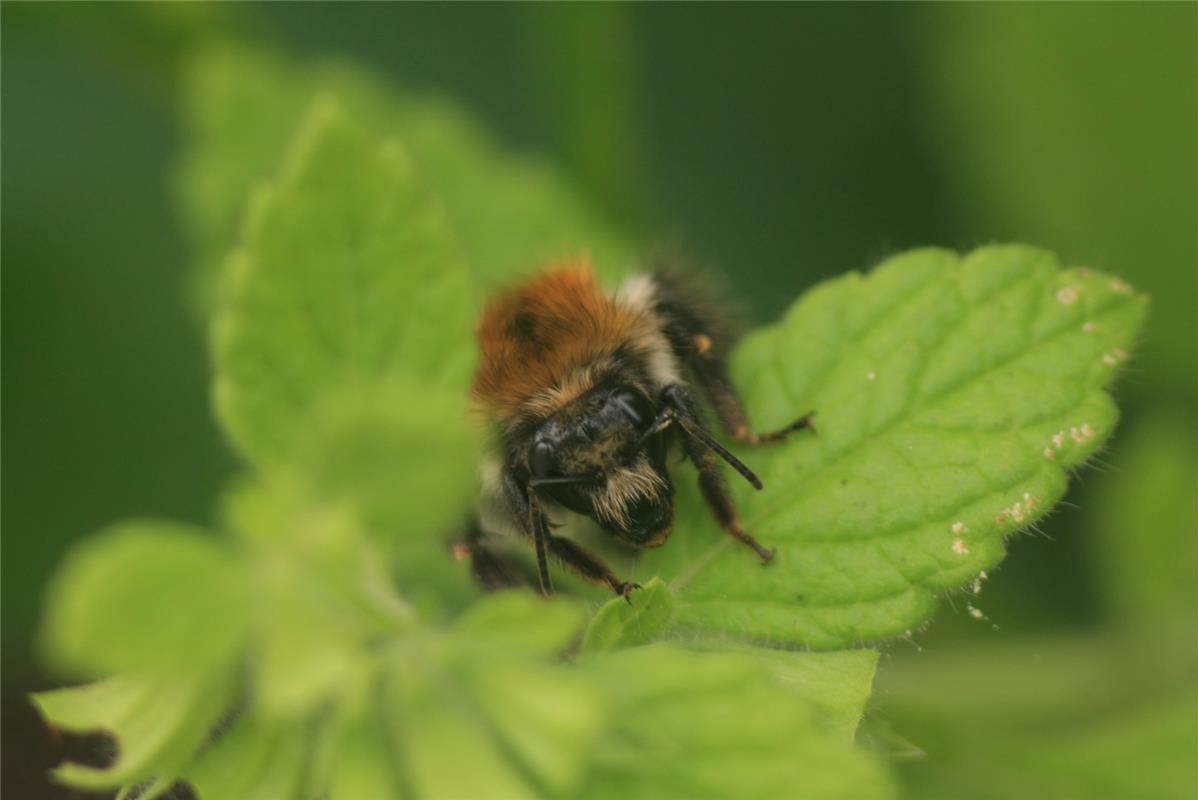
600 457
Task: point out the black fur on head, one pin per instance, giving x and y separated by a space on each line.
594 457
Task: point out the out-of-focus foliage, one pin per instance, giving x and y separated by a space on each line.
101 618
159 720
1145 524
317 313
345 281
1053 135
242 105
347 278
1089 716
1072 126
739 718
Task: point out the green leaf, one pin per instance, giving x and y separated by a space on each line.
311 644
240 106
403 457
522 622
146 595
952 396
322 602
499 666
253 758
513 214
366 764
239 121
444 732
347 278
838 683
1075 717
639 620
548 719
158 723
350 699
451 738
718 725
650 721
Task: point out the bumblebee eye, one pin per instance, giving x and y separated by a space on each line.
634 405
542 460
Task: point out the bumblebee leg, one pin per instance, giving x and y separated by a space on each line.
711 373
700 339
489 566
535 526
752 438
527 515
540 539
698 446
715 492
587 566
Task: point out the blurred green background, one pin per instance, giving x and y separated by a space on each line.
778 144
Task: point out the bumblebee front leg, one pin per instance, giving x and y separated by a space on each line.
587 566
527 514
702 450
534 524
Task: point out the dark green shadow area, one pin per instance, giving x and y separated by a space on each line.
778 144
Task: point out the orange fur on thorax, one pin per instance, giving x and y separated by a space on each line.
538 337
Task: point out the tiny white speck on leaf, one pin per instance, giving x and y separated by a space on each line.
1058 438
1067 295
959 528
1049 452
976 613
959 547
869 376
1120 287
1089 327
1114 357
1015 512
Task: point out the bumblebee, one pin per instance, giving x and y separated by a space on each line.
588 393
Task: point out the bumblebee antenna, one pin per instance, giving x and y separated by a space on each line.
676 414
696 431
566 479
664 419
